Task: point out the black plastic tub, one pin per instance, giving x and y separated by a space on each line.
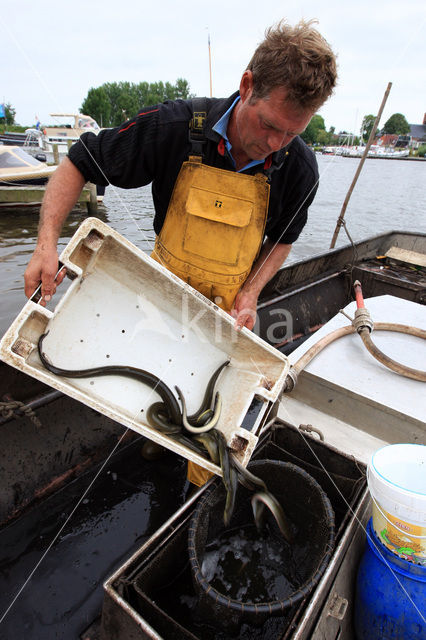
157 584
250 576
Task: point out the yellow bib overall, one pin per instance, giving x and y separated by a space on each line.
213 229
211 236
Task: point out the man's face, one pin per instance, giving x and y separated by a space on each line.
264 126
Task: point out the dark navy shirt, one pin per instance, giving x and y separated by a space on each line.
151 148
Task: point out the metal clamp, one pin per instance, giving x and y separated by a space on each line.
338 607
310 429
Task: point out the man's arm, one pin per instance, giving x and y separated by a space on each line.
271 258
62 193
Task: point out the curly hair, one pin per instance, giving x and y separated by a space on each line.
297 58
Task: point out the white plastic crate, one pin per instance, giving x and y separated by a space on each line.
123 308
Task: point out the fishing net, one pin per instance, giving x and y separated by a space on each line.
243 575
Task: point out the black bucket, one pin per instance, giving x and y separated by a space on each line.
264 575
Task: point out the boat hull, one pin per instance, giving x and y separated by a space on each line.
50 467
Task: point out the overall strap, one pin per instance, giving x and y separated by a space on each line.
277 162
196 126
198 139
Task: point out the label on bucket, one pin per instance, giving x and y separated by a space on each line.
403 538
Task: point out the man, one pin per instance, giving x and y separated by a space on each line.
231 179
291 74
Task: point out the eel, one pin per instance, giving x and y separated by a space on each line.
146 377
167 418
206 426
208 395
264 498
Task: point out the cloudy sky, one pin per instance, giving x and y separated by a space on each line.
53 52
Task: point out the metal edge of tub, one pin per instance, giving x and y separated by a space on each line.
115 605
132 624
312 613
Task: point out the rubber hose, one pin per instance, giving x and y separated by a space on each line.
378 326
408 372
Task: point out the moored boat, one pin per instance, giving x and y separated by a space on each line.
70 521
62 136
375 151
24 176
17 139
19 168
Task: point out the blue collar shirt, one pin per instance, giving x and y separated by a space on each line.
221 127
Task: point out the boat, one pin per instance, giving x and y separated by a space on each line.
93 536
17 139
17 167
375 151
23 177
332 151
64 135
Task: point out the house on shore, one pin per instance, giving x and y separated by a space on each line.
418 133
414 139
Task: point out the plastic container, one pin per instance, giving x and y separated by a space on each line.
296 568
396 478
123 308
390 595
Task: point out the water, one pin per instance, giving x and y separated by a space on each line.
232 562
389 195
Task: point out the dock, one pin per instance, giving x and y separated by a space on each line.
32 195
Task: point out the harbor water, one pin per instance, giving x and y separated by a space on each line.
389 195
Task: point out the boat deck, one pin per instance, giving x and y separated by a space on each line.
68 523
56 556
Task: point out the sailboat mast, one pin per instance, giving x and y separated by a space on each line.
210 67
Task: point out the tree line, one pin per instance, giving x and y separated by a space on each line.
114 102
316 133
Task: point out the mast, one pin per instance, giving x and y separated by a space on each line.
340 221
210 66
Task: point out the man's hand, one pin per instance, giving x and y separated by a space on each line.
42 268
61 194
244 310
271 258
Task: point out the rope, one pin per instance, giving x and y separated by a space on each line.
15 408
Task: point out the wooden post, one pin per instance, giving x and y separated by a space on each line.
361 164
55 154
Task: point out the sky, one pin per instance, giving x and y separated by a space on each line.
53 52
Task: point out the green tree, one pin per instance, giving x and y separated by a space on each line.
323 137
310 135
126 104
114 102
9 114
396 124
367 126
182 89
98 106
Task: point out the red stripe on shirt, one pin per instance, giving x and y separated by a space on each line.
143 113
128 127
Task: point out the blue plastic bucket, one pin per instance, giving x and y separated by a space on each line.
390 602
